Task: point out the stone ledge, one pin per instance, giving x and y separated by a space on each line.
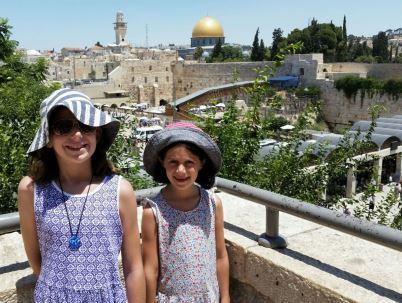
319 265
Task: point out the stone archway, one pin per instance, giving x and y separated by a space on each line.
163 102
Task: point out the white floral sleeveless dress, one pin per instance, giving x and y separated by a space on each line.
187 251
91 273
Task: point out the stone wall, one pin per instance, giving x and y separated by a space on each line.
253 279
319 264
191 77
155 76
340 111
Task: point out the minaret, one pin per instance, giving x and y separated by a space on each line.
120 27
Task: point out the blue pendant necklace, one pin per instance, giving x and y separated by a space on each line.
74 243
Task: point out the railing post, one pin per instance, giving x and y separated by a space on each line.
271 237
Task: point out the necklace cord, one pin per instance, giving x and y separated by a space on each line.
83 207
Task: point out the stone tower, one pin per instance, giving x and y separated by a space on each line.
120 27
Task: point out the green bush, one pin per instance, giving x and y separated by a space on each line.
351 85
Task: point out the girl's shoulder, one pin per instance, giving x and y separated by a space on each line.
26 195
26 184
210 193
152 201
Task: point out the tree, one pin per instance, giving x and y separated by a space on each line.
231 54
277 39
255 50
344 32
284 171
7 46
217 51
262 51
323 38
198 53
21 91
380 47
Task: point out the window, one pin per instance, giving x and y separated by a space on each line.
167 69
132 69
150 67
132 79
145 79
156 79
301 71
167 79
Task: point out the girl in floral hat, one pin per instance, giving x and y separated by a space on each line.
184 254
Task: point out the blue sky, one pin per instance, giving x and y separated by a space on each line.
45 24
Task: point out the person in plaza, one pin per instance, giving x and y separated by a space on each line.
184 253
397 190
76 213
400 192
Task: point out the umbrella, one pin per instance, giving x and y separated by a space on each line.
287 127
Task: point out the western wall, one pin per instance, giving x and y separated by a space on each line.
193 76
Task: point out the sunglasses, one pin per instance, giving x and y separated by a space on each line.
65 127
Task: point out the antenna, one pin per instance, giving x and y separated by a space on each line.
146 35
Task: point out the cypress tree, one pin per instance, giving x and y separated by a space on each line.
276 39
261 55
344 33
217 52
255 50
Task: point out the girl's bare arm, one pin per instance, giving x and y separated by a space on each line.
222 260
28 224
150 252
131 249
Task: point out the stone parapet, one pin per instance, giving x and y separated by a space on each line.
319 265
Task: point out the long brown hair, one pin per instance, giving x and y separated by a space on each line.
44 167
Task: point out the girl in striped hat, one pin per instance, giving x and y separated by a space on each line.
76 214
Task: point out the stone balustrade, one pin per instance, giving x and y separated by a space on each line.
319 265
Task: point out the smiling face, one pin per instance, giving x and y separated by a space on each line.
182 167
75 146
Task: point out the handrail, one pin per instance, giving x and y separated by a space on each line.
274 203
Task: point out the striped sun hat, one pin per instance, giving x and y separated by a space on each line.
82 108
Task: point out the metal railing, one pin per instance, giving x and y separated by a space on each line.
275 203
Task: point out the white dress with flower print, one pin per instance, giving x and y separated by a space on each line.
187 251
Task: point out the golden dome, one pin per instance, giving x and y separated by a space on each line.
208 27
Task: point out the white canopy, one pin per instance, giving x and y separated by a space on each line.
287 127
